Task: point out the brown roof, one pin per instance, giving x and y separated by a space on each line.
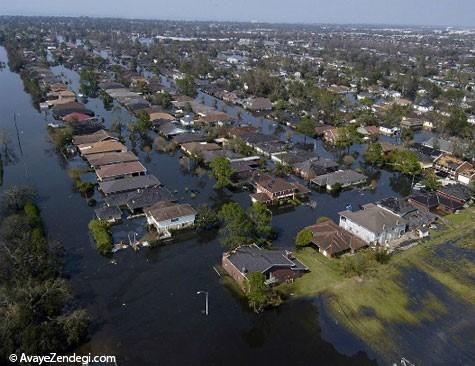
333 239
101 147
165 210
97 160
196 147
216 117
160 116
97 136
116 170
273 184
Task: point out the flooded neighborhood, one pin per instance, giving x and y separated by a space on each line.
256 193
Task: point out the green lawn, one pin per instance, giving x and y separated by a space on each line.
365 305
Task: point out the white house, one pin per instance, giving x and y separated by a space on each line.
389 131
373 224
167 216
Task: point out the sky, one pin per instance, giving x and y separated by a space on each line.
399 12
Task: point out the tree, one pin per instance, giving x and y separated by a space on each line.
143 124
206 218
406 162
407 135
15 197
100 232
374 154
307 126
261 216
187 86
37 314
222 171
431 181
457 124
303 238
237 228
257 291
164 99
346 137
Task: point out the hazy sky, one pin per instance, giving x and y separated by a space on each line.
419 12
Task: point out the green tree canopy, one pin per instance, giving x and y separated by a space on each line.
303 238
261 216
222 171
237 228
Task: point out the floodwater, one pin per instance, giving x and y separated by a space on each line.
144 305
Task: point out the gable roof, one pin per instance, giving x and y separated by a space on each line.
373 218
101 147
128 184
96 160
333 239
97 136
250 259
119 169
166 210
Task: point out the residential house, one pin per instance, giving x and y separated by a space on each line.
167 216
120 170
98 160
258 104
197 148
101 147
128 184
416 218
339 179
312 168
332 240
458 192
451 165
98 136
412 123
389 131
466 174
373 224
432 201
135 201
108 214
270 189
277 266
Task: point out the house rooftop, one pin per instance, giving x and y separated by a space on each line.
250 259
97 160
342 177
139 198
128 184
166 210
271 183
91 138
120 169
101 147
333 239
373 218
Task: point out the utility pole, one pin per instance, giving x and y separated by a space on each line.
206 299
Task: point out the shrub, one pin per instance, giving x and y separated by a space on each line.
100 232
303 238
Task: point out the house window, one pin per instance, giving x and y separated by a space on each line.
176 219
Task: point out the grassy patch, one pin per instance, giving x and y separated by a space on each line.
369 304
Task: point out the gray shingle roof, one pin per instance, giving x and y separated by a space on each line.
254 259
128 184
